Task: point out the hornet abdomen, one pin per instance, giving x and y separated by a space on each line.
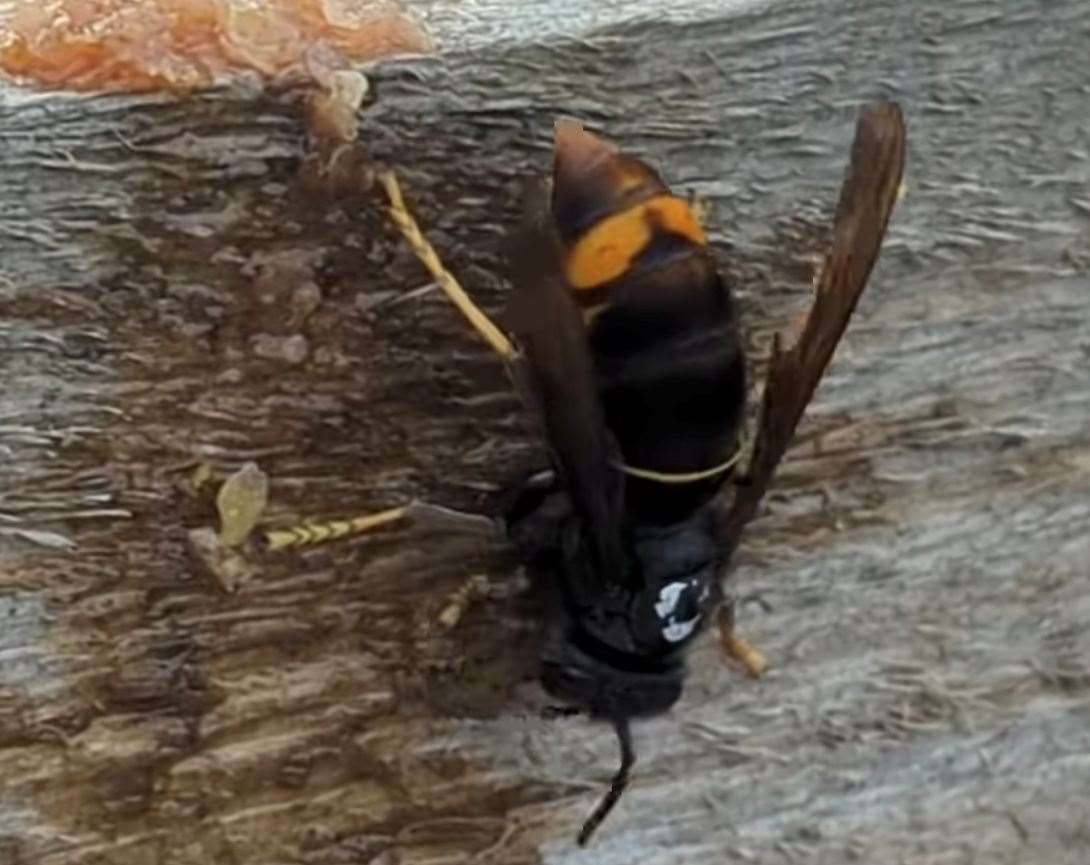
661 322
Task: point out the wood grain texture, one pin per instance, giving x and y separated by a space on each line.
171 294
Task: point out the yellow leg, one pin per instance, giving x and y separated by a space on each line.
451 614
735 647
315 533
307 534
430 259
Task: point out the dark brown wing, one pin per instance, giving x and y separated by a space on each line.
556 376
866 202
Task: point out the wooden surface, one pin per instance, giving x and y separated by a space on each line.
171 293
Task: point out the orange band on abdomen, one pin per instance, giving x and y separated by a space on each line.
607 250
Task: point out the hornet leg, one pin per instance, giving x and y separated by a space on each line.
308 534
735 647
404 220
459 601
313 533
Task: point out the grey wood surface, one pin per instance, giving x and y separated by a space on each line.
171 293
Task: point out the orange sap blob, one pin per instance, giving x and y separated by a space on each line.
186 44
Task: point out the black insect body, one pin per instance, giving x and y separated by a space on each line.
662 332
630 353
634 360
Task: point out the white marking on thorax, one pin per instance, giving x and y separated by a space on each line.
673 631
676 631
669 595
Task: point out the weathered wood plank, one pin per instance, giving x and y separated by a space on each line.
922 556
